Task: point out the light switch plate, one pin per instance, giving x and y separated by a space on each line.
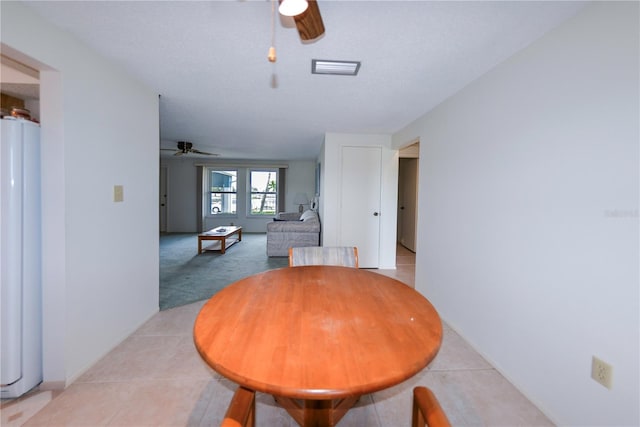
118 193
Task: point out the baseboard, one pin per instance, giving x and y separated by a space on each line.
72 378
52 385
541 407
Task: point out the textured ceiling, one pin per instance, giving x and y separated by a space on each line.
208 62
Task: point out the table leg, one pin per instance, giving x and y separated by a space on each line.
316 413
222 245
199 244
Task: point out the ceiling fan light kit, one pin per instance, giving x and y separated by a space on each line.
306 16
309 23
184 147
292 7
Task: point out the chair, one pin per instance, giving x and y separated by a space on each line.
324 255
427 410
242 409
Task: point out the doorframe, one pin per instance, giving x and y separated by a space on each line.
162 199
410 150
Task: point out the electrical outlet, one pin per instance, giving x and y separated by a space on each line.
602 372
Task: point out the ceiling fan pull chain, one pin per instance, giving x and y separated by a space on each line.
272 50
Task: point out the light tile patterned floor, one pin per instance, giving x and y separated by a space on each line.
155 377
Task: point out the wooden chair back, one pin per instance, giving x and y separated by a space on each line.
346 256
242 409
427 410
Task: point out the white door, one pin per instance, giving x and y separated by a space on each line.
360 202
407 202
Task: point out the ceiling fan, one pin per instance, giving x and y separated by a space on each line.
185 147
306 15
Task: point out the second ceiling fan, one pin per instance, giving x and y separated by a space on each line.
185 147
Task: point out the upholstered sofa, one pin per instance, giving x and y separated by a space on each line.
290 229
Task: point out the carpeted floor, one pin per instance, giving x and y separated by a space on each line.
186 277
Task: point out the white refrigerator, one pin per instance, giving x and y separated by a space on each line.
20 257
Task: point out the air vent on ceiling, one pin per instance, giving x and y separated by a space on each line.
340 68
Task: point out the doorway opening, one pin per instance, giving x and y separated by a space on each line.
408 178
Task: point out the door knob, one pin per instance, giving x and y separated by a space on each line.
376 214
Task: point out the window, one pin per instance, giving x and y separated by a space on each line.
264 191
223 191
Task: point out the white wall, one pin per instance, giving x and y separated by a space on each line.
301 178
98 286
182 194
528 228
331 161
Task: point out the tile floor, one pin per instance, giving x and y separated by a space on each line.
155 377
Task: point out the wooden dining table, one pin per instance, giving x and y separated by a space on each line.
318 337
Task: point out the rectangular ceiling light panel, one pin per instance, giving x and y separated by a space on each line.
340 68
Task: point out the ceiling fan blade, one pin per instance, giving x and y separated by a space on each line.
203 152
179 153
168 149
309 22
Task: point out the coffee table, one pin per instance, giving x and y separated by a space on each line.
222 237
317 337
